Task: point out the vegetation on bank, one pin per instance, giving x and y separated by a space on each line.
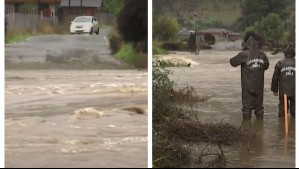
177 128
130 55
17 37
13 36
44 28
128 38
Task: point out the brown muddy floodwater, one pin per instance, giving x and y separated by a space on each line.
213 76
40 127
41 131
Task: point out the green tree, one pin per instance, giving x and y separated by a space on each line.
132 23
264 7
253 11
165 28
24 8
112 6
271 27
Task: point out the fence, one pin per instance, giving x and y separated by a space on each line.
27 20
30 20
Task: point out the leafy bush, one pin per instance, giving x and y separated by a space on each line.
165 28
271 27
132 21
162 87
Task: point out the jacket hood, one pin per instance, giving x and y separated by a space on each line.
289 52
251 43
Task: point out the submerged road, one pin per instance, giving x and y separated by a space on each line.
47 78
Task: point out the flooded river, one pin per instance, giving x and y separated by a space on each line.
214 76
40 127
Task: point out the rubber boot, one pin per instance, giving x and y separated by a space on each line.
259 114
246 115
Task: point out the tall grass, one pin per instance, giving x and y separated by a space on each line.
129 54
17 37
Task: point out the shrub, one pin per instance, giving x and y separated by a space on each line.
165 28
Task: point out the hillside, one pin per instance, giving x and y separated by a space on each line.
226 11
217 13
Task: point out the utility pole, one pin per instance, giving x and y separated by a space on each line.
195 32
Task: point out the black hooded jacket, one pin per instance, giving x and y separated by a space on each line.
284 74
253 65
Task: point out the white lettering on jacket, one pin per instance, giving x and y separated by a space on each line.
289 70
256 62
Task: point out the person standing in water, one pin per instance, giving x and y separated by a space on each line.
253 63
283 81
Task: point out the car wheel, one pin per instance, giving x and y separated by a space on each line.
98 31
90 31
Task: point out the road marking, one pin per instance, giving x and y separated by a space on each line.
106 41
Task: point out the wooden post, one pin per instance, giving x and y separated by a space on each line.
81 8
286 113
13 14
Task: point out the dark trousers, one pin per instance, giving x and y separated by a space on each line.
252 100
291 106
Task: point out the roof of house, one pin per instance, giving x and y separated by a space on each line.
218 31
77 3
215 30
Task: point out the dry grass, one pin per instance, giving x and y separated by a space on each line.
45 28
187 94
216 133
176 127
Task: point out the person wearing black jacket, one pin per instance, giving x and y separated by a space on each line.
253 65
283 80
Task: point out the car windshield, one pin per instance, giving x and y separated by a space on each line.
82 19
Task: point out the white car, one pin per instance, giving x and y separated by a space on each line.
85 24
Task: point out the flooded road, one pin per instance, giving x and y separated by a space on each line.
40 127
214 76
